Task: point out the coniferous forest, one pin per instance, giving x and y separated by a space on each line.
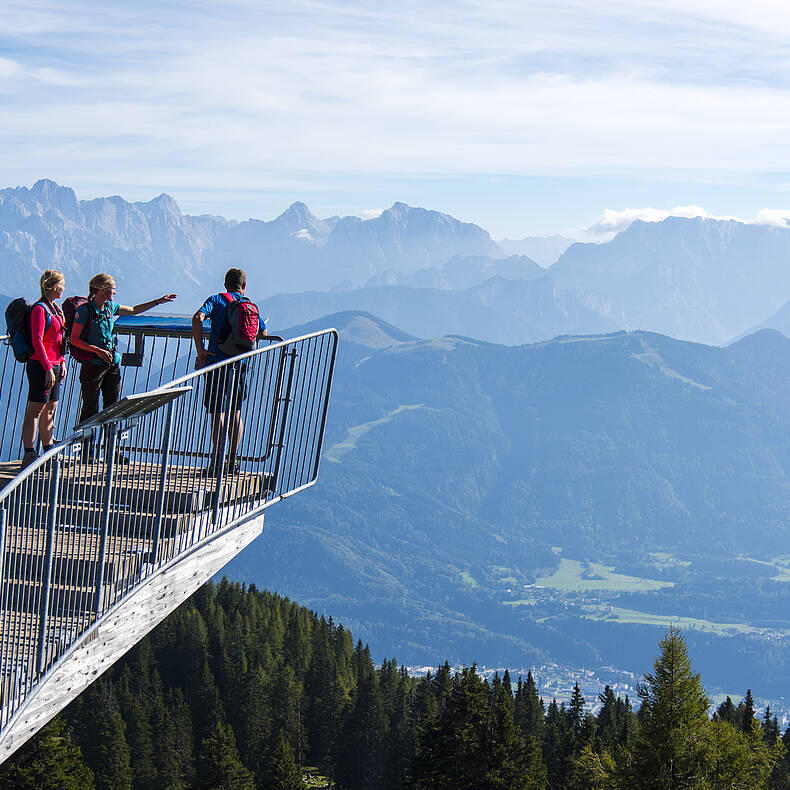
242 689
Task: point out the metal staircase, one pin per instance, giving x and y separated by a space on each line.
114 527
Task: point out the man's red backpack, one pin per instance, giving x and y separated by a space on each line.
239 333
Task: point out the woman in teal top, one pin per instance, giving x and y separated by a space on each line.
102 374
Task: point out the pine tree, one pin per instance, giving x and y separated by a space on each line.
558 743
747 720
50 760
100 729
219 766
726 711
670 747
529 710
284 773
734 758
770 727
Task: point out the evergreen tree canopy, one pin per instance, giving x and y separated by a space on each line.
670 748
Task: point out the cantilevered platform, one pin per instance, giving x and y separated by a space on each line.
112 529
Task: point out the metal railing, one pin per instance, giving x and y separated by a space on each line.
146 480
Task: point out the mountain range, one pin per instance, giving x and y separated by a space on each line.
457 474
697 279
153 243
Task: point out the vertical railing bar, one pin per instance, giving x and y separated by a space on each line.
225 428
318 400
51 521
160 496
309 439
294 409
109 462
327 390
292 440
283 418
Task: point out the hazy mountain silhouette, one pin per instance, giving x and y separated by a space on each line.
701 279
144 244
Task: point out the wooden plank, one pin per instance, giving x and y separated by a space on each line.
136 485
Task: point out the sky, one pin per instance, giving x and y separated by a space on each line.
528 118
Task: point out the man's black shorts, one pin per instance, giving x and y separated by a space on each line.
35 379
219 382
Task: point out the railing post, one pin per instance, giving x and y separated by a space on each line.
2 544
109 462
43 615
160 495
283 419
229 397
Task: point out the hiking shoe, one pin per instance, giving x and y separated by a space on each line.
28 458
232 466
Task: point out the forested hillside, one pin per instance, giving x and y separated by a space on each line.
483 502
243 689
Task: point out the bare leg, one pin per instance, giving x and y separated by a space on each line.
46 423
234 432
30 423
217 424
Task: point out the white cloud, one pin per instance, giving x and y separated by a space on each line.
773 216
612 221
372 213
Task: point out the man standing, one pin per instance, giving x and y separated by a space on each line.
230 380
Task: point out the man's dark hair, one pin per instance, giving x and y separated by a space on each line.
235 279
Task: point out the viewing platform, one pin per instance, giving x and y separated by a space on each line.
110 530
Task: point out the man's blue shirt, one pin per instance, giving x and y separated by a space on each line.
215 308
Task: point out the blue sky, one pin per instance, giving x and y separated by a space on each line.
525 117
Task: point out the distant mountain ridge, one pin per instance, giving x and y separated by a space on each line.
699 279
498 310
141 243
545 250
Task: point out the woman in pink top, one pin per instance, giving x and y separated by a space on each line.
46 368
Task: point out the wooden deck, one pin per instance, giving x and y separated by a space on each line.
129 548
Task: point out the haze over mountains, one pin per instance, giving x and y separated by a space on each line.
699 279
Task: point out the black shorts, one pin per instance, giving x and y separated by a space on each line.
35 379
218 382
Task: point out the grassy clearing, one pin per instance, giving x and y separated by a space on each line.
620 615
522 602
781 564
467 578
570 576
339 449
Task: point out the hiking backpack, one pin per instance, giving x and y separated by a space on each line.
70 306
239 333
17 320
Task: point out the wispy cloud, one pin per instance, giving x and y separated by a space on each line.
249 95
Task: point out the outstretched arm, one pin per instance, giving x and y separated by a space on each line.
144 306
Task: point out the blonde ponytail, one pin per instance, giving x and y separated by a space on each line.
50 280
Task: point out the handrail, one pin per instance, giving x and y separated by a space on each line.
93 518
151 355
